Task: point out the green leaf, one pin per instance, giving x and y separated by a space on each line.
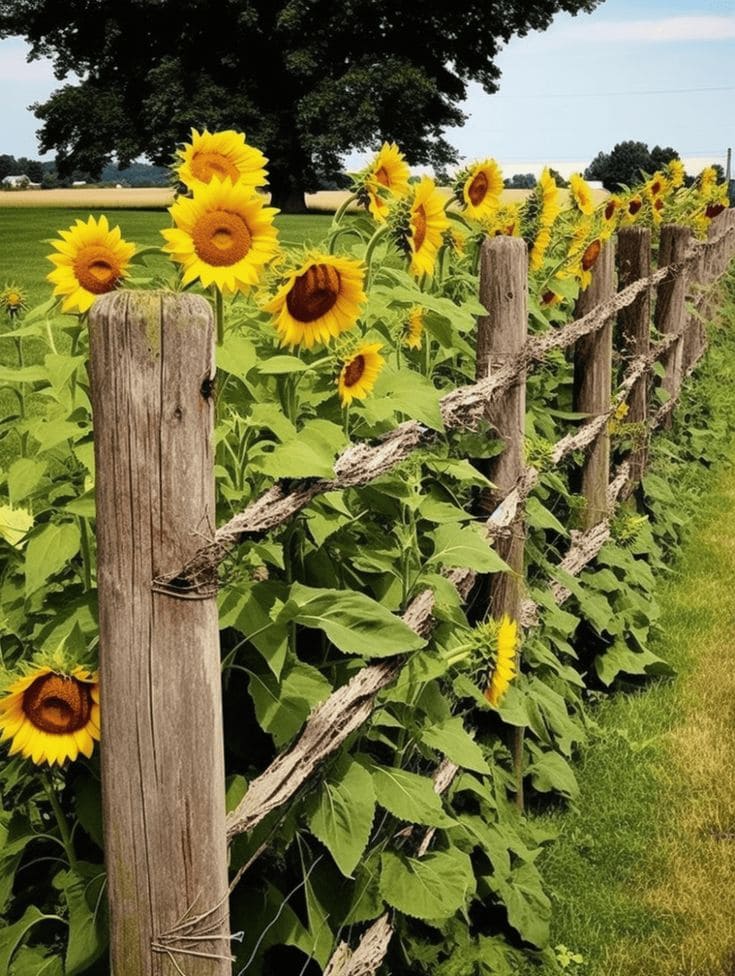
551 772
432 887
467 547
237 356
529 910
620 659
23 476
34 961
88 808
61 368
540 517
341 813
452 739
15 834
278 365
310 454
236 788
12 935
87 923
84 506
24 374
352 621
282 707
413 395
49 433
50 549
253 612
409 796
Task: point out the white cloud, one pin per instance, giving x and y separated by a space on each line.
662 30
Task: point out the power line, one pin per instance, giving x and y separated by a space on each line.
643 91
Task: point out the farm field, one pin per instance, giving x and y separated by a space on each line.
24 231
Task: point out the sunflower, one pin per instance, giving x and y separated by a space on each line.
551 298
419 226
478 188
540 247
503 669
318 300
413 328
224 236
549 199
707 179
676 173
90 259
51 716
219 155
714 209
581 194
504 222
657 186
611 213
13 299
386 175
359 373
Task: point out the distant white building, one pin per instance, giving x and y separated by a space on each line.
20 182
79 183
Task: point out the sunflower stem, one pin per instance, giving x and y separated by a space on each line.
86 553
342 209
50 336
341 232
377 237
219 307
61 821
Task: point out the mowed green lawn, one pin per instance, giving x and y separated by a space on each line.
25 231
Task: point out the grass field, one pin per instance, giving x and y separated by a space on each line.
24 231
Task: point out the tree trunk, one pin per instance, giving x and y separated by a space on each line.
287 192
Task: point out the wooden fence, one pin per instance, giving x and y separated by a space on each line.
162 751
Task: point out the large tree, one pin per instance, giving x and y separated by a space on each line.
307 80
625 163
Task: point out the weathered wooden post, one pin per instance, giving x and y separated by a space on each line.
634 263
501 335
152 364
670 314
593 384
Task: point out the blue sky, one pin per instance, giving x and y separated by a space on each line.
586 83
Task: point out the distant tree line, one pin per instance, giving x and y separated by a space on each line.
627 161
45 173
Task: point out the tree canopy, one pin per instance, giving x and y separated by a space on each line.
307 80
624 164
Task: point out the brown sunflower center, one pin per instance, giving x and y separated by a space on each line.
314 293
96 269
656 187
591 255
634 206
713 209
419 227
382 176
221 238
205 165
354 370
610 209
58 704
478 189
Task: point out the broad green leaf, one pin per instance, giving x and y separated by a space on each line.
33 961
277 365
431 887
541 518
528 908
409 796
412 395
15 834
465 546
23 477
23 374
52 432
12 936
61 368
49 551
236 788
452 739
620 659
253 612
237 356
341 813
310 454
87 922
551 772
282 707
352 621
83 506
88 807
14 524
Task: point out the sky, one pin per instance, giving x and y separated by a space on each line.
660 72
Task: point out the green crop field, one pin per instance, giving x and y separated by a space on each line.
24 232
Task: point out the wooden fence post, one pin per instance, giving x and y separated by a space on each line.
501 335
633 263
670 314
152 364
593 385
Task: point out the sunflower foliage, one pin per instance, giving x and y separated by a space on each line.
318 348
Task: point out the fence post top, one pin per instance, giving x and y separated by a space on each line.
149 301
502 242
